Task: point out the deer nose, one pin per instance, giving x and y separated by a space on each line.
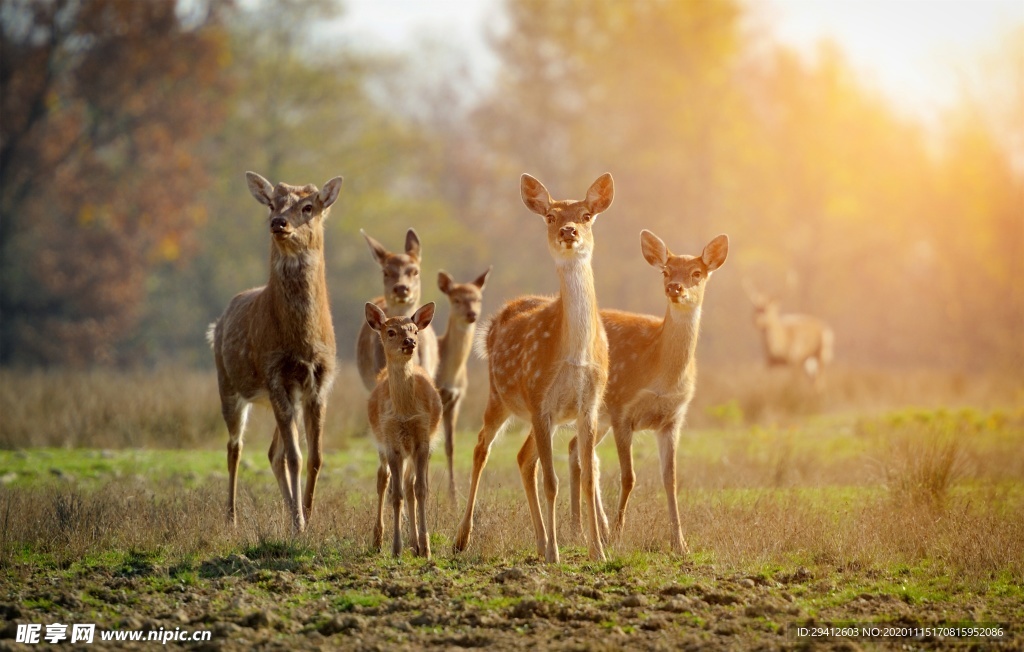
278 223
409 343
568 232
401 290
674 289
471 316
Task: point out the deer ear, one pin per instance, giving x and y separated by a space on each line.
260 188
444 281
412 244
654 250
375 317
329 194
423 316
535 195
600 194
380 254
482 279
716 252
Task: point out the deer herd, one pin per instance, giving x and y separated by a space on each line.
552 360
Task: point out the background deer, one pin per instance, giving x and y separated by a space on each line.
548 362
401 298
276 342
799 341
464 300
404 411
653 373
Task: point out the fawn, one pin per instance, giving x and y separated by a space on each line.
401 298
276 343
653 373
799 341
454 346
548 362
404 411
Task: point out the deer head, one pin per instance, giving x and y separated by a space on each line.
684 276
401 271
766 309
399 335
297 213
465 298
569 222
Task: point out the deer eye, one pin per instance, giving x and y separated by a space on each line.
307 209
550 218
697 274
414 272
664 273
586 217
391 332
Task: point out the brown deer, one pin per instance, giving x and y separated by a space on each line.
454 346
276 343
798 341
401 298
548 363
404 410
653 373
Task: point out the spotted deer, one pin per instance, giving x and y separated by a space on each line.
653 373
798 341
401 298
548 363
276 343
404 411
454 346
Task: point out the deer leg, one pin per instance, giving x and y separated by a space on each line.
410 505
574 486
449 417
235 414
586 425
276 456
422 461
667 440
527 459
495 416
542 439
624 446
383 479
289 441
395 466
315 411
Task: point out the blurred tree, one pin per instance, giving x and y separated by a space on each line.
307 107
103 102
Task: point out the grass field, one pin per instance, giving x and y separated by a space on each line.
890 500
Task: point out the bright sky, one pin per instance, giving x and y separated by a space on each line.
908 48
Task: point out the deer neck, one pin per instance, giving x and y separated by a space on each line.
677 346
580 325
396 309
458 342
401 385
298 289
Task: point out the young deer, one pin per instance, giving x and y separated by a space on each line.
401 298
276 343
799 341
404 410
653 372
453 347
548 362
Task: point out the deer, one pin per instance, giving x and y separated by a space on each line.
653 374
275 343
401 299
454 347
548 363
792 340
404 411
